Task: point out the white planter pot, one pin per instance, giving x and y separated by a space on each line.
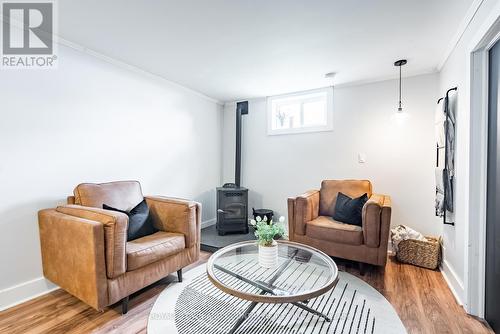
268 255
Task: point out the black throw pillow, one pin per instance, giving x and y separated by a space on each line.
140 223
349 210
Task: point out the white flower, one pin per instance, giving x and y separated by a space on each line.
258 219
265 218
253 222
282 219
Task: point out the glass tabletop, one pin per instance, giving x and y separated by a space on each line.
302 272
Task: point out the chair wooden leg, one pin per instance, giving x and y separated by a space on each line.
125 305
179 275
362 268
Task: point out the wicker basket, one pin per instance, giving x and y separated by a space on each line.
425 254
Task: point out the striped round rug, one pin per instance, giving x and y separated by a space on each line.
196 306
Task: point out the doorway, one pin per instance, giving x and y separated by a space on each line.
492 276
477 183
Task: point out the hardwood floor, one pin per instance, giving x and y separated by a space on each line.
421 298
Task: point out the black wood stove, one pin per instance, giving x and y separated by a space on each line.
232 199
232 210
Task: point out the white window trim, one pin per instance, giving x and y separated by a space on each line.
329 113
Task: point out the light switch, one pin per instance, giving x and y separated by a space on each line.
361 158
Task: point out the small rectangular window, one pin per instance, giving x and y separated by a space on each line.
300 112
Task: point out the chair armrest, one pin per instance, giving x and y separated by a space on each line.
305 208
177 215
73 255
376 220
115 234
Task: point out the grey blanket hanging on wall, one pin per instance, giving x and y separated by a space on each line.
445 124
440 118
449 168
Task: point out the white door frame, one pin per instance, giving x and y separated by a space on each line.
477 79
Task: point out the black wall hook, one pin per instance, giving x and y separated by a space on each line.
447 92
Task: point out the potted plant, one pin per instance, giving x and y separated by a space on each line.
266 232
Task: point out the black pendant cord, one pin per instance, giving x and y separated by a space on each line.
445 155
400 89
400 63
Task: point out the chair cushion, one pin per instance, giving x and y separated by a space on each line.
326 228
330 189
123 195
152 248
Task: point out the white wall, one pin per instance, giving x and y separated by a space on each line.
92 121
454 73
400 154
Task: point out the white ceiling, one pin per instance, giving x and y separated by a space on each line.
234 49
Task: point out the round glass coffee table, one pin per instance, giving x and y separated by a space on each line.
302 273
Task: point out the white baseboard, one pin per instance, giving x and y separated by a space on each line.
23 292
390 248
208 223
454 283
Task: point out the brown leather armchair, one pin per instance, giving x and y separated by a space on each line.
310 222
85 249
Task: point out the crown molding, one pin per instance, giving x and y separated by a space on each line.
129 67
464 24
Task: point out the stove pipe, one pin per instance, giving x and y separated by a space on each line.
241 109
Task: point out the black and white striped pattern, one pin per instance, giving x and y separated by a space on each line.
296 277
202 308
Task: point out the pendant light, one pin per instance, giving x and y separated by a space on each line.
400 63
